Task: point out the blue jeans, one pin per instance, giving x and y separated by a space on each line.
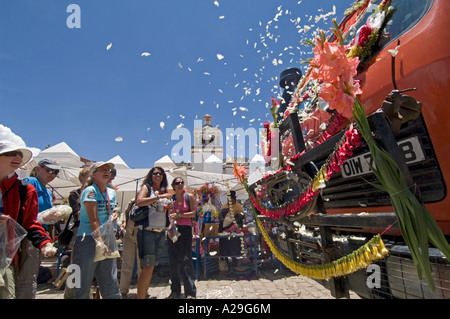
150 245
104 271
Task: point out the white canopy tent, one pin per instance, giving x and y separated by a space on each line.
166 163
118 162
63 154
212 165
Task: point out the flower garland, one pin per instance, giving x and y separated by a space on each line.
235 227
343 151
357 6
362 257
358 259
369 33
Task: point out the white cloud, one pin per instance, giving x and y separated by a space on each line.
8 135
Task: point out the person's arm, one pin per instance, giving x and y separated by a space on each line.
143 198
36 233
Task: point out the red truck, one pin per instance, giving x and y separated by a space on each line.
412 90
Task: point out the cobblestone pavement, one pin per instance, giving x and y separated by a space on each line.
269 283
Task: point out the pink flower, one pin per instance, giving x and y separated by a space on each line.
337 98
239 172
331 60
364 34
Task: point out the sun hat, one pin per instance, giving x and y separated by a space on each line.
99 164
52 164
8 146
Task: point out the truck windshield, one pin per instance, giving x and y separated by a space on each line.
408 14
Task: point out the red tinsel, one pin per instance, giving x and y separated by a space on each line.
351 140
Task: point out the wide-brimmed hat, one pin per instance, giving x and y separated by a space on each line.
52 164
99 164
8 146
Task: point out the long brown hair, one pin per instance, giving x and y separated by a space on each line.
148 179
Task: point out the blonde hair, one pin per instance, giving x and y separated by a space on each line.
33 172
84 171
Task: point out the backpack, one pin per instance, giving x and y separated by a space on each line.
23 187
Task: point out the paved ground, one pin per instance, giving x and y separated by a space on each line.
269 283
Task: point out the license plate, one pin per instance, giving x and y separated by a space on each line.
359 165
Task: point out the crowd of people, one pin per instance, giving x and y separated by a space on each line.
156 214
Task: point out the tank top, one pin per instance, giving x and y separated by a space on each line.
182 206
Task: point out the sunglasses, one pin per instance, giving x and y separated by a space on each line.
178 183
52 171
13 153
157 173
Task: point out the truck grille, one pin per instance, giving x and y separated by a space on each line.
355 191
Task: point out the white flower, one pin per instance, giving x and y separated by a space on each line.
376 20
394 52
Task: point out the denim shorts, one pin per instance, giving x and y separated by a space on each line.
150 245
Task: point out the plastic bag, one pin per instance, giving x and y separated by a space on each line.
105 241
11 234
55 214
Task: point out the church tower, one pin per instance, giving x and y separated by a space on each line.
207 142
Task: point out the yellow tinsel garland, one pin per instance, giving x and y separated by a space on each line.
359 259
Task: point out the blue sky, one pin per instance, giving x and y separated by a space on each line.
88 86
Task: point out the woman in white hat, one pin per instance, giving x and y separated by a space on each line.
18 200
97 205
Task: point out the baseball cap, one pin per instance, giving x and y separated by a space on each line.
8 146
98 164
52 164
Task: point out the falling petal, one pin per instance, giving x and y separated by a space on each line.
216 3
145 54
119 139
220 56
144 141
162 124
109 46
